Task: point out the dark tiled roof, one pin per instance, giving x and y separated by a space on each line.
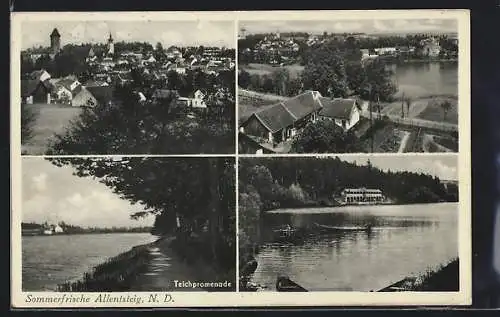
278 116
55 32
28 87
337 108
163 93
66 83
103 94
36 74
275 117
302 105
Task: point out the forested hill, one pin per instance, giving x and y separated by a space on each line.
295 182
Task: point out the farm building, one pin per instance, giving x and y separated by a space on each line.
281 121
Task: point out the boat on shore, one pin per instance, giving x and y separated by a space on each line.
367 227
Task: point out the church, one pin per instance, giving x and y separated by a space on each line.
86 52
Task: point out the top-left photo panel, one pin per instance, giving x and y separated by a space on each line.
128 86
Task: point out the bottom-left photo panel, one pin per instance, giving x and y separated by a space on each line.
128 224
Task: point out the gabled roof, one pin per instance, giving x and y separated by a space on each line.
55 32
281 115
28 87
337 108
302 105
103 94
274 117
37 74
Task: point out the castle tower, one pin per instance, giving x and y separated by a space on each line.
55 42
111 45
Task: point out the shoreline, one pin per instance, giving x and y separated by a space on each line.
444 278
354 205
80 233
128 271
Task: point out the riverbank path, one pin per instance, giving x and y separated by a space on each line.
164 268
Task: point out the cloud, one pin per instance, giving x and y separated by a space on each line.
181 33
347 26
40 182
53 194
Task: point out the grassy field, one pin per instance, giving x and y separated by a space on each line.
387 138
434 112
265 69
425 108
50 119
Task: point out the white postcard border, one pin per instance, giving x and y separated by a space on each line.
233 299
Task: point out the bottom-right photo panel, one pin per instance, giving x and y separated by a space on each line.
364 223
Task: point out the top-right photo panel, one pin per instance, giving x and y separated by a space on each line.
348 86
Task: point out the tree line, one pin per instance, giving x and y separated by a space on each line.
192 198
282 183
73 229
335 69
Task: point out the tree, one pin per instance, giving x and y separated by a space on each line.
378 81
28 118
281 79
446 106
324 137
325 71
159 53
243 79
407 100
167 187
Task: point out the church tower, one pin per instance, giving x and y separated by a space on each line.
55 42
111 45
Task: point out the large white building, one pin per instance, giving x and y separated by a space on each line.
361 195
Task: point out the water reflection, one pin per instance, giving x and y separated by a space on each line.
424 79
400 241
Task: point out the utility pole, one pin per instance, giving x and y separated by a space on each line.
371 114
402 105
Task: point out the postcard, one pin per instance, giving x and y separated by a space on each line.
240 159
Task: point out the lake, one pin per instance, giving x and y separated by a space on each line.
420 79
51 260
405 239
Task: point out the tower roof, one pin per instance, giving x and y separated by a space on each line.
55 33
110 38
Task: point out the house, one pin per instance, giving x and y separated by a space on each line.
361 195
431 49
344 112
84 98
102 94
386 50
279 122
66 90
40 75
58 229
95 83
84 53
198 101
36 91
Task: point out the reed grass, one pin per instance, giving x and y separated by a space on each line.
114 275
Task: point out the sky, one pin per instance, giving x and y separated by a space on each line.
53 194
442 166
178 33
375 26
